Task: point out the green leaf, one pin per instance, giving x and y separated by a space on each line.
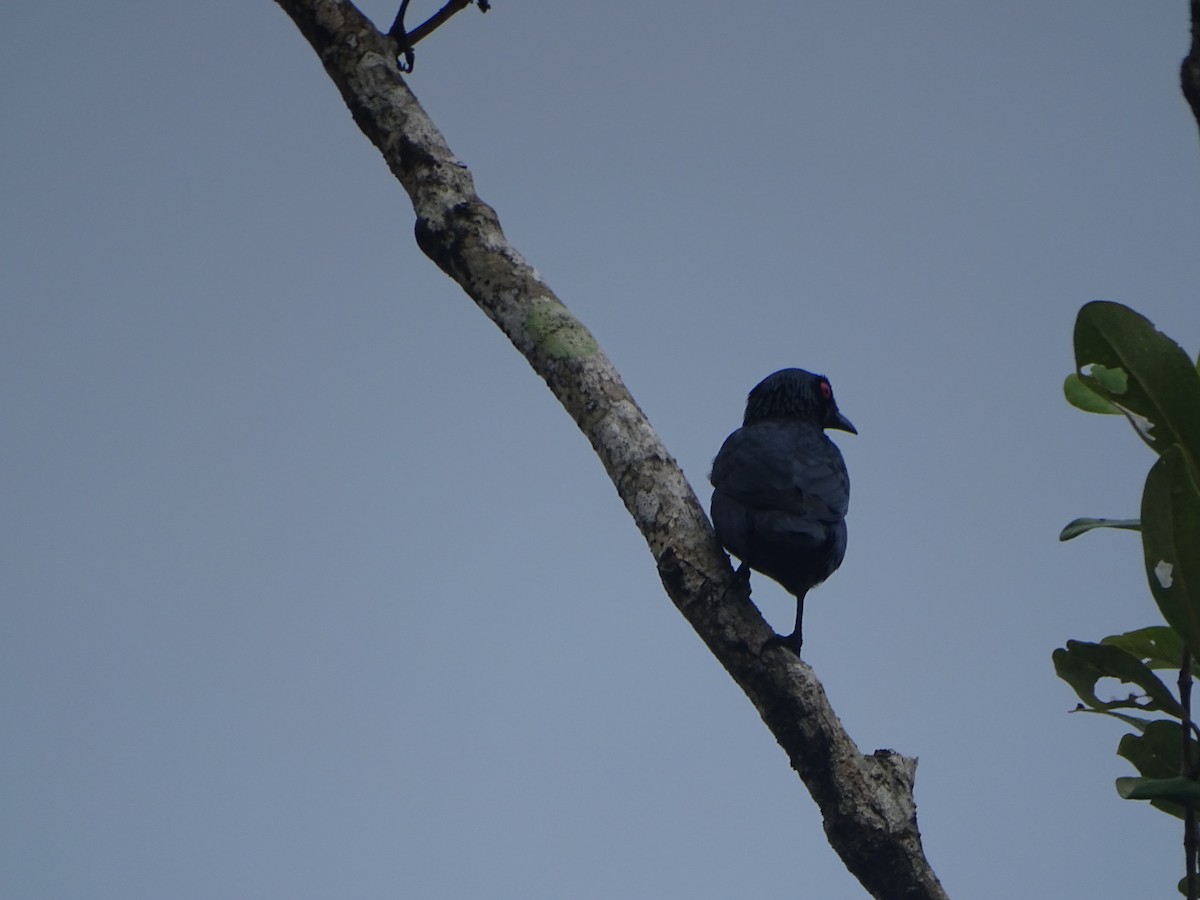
1162 395
1115 381
1082 665
1076 527
1179 789
1133 721
1156 754
1158 646
1171 544
1083 397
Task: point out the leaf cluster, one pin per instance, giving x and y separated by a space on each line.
1124 366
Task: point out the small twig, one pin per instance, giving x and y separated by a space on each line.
408 39
430 25
403 41
1189 814
1185 700
397 28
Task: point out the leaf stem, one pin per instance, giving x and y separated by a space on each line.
1189 815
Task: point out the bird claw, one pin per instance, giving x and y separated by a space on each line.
791 642
742 574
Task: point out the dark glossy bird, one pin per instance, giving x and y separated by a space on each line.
780 487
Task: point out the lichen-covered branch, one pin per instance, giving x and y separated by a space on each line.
866 801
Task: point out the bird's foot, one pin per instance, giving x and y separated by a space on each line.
791 642
740 581
742 574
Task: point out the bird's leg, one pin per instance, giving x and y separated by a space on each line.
795 640
404 42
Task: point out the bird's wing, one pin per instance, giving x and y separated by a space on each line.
780 467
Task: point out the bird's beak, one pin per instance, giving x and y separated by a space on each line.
841 423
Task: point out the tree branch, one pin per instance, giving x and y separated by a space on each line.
866 801
433 23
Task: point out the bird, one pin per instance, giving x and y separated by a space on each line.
781 489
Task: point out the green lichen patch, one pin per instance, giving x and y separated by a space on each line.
556 332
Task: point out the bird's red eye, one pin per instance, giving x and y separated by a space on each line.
826 390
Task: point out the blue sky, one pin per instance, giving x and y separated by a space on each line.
309 588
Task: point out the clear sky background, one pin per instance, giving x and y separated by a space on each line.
309 587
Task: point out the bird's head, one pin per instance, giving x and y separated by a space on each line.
796 394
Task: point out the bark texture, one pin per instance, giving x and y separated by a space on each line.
867 801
